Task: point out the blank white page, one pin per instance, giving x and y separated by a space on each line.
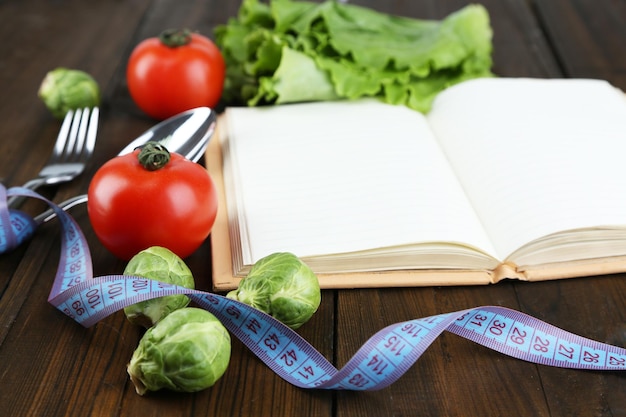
335 177
536 156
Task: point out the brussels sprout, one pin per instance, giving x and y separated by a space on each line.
187 351
163 265
65 89
283 286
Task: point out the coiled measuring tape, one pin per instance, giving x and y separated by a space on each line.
385 357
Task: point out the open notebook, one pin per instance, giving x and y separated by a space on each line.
504 178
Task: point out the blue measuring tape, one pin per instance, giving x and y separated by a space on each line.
385 357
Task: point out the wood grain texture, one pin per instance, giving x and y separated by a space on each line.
51 366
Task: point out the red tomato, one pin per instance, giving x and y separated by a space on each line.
175 72
132 208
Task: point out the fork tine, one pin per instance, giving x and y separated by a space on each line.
62 136
93 130
75 153
73 135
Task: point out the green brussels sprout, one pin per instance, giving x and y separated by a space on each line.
187 351
163 265
283 286
64 89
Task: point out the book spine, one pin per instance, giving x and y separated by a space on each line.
507 270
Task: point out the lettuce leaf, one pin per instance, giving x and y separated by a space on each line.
292 81
289 51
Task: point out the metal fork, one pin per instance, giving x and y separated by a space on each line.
73 148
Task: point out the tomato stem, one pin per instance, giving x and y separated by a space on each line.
153 156
173 38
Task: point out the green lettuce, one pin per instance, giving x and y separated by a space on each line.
290 51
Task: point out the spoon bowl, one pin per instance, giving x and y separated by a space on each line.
187 133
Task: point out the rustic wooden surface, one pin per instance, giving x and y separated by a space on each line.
49 366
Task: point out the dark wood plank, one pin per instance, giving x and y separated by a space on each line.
85 369
588 37
455 377
42 36
589 40
594 308
43 356
249 387
270 393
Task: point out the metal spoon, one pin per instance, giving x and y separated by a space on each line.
187 133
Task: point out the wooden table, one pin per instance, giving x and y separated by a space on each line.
50 366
